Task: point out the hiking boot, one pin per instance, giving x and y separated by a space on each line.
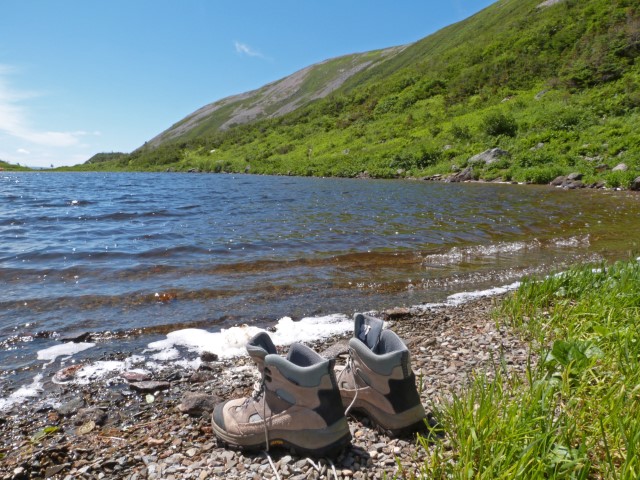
258 348
378 380
297 407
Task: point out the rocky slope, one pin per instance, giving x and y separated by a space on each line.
277 98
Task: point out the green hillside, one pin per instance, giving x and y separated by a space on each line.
5 166
273 100
555 85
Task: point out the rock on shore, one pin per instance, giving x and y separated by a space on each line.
161 429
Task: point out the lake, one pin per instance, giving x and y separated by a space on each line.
130 257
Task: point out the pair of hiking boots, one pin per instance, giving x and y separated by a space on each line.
301 400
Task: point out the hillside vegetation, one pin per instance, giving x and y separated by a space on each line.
11 166
556 85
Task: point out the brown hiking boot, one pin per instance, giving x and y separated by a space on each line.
258 348
378 380
298 406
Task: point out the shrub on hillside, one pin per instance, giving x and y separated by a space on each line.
538 175
620 179
498 123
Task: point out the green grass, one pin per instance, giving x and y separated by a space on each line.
11 167
576 412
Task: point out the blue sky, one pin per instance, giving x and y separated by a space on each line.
79 77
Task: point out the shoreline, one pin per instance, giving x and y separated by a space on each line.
563 182
116 428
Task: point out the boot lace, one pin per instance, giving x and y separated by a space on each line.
259 390
349 367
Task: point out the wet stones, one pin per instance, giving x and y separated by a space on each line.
150 386
91 414
197 404
209 357
171 437
71 407
569 182
135 376
77 338
463 176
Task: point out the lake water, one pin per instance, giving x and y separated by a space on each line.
132 257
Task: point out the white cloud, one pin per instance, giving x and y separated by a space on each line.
245 49
23 151
14 117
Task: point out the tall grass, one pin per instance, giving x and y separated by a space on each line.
576 412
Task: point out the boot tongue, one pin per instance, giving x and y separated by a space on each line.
368 330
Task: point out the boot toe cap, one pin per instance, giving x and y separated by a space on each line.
218 415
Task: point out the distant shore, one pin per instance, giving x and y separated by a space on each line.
572 181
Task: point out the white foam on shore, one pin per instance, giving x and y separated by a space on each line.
96 370
63 349
22 394
465 297
231 342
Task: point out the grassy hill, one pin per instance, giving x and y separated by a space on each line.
554 84
11 167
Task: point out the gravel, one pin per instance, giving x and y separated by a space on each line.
107 431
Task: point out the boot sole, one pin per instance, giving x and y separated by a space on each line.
326 442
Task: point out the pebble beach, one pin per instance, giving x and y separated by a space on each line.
133 426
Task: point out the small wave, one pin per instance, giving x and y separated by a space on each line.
572 242
461 254
12 222
231 342
136 215
63 350
22 394
173 251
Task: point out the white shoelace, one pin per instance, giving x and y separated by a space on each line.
273 465
349 367
258 391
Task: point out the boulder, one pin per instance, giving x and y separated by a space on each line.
635 185
621 167
569 182
71 407
201 377
571 185
91 414
463 176
209 357
197 404
334 351
76 338
489 156
397 312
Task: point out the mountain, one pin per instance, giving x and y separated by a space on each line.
555 85
275 99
